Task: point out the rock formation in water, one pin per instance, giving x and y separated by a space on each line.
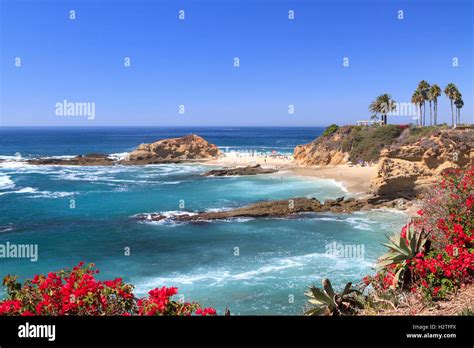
248 170
188 148
185 149
279 208
92 159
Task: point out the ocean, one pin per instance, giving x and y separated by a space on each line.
251 266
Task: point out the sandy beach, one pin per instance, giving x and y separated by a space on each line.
355 179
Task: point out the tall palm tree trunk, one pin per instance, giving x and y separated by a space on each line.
452 114
431 115
420 117
435 112
424 114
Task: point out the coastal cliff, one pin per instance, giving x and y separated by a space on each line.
409 159
406 168
340 145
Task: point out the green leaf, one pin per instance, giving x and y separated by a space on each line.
320 296
316 311
347 288
328 288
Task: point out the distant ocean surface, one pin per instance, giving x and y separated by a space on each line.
251 266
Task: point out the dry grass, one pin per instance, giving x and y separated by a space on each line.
413 305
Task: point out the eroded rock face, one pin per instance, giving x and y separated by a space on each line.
278 208
323 150
408 169
188 148
248 170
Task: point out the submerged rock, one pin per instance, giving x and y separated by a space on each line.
278 208
93 159
248 170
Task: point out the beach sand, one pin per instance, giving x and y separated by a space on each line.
355 179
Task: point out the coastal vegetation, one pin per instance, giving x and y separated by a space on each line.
339 145
383 105
330 130
76 291
430 259
365 143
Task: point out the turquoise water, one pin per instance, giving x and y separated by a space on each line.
252 266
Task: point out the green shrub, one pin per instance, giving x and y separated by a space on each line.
330 130
365 143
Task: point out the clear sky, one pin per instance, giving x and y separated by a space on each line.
190 62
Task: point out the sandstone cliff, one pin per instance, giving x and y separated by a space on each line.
339 145
406 168
324 150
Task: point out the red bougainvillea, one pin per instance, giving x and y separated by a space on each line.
78 292
447 219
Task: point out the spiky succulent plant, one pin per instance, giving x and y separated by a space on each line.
327 302
402 249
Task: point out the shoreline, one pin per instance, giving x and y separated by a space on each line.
354 179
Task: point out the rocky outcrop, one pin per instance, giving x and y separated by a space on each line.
185 149
279 208
188 148
248 170
92 159
340 145
324 150
406 169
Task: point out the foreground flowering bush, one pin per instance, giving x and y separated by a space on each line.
77 292
445 259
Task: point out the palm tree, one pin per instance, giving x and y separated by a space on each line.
459 104
417 99
451 92
433 94
424 88
374 107
374 118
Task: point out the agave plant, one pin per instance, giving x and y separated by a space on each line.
401 249
327 302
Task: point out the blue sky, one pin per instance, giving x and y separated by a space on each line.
190 62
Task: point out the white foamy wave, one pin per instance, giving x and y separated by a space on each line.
11 158
48 194
13 164
272 269
6 228
61 157
338 184
6 182
33 192
118 156
22 190
168 220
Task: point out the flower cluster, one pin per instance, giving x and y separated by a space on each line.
159 302
78 292
447 260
